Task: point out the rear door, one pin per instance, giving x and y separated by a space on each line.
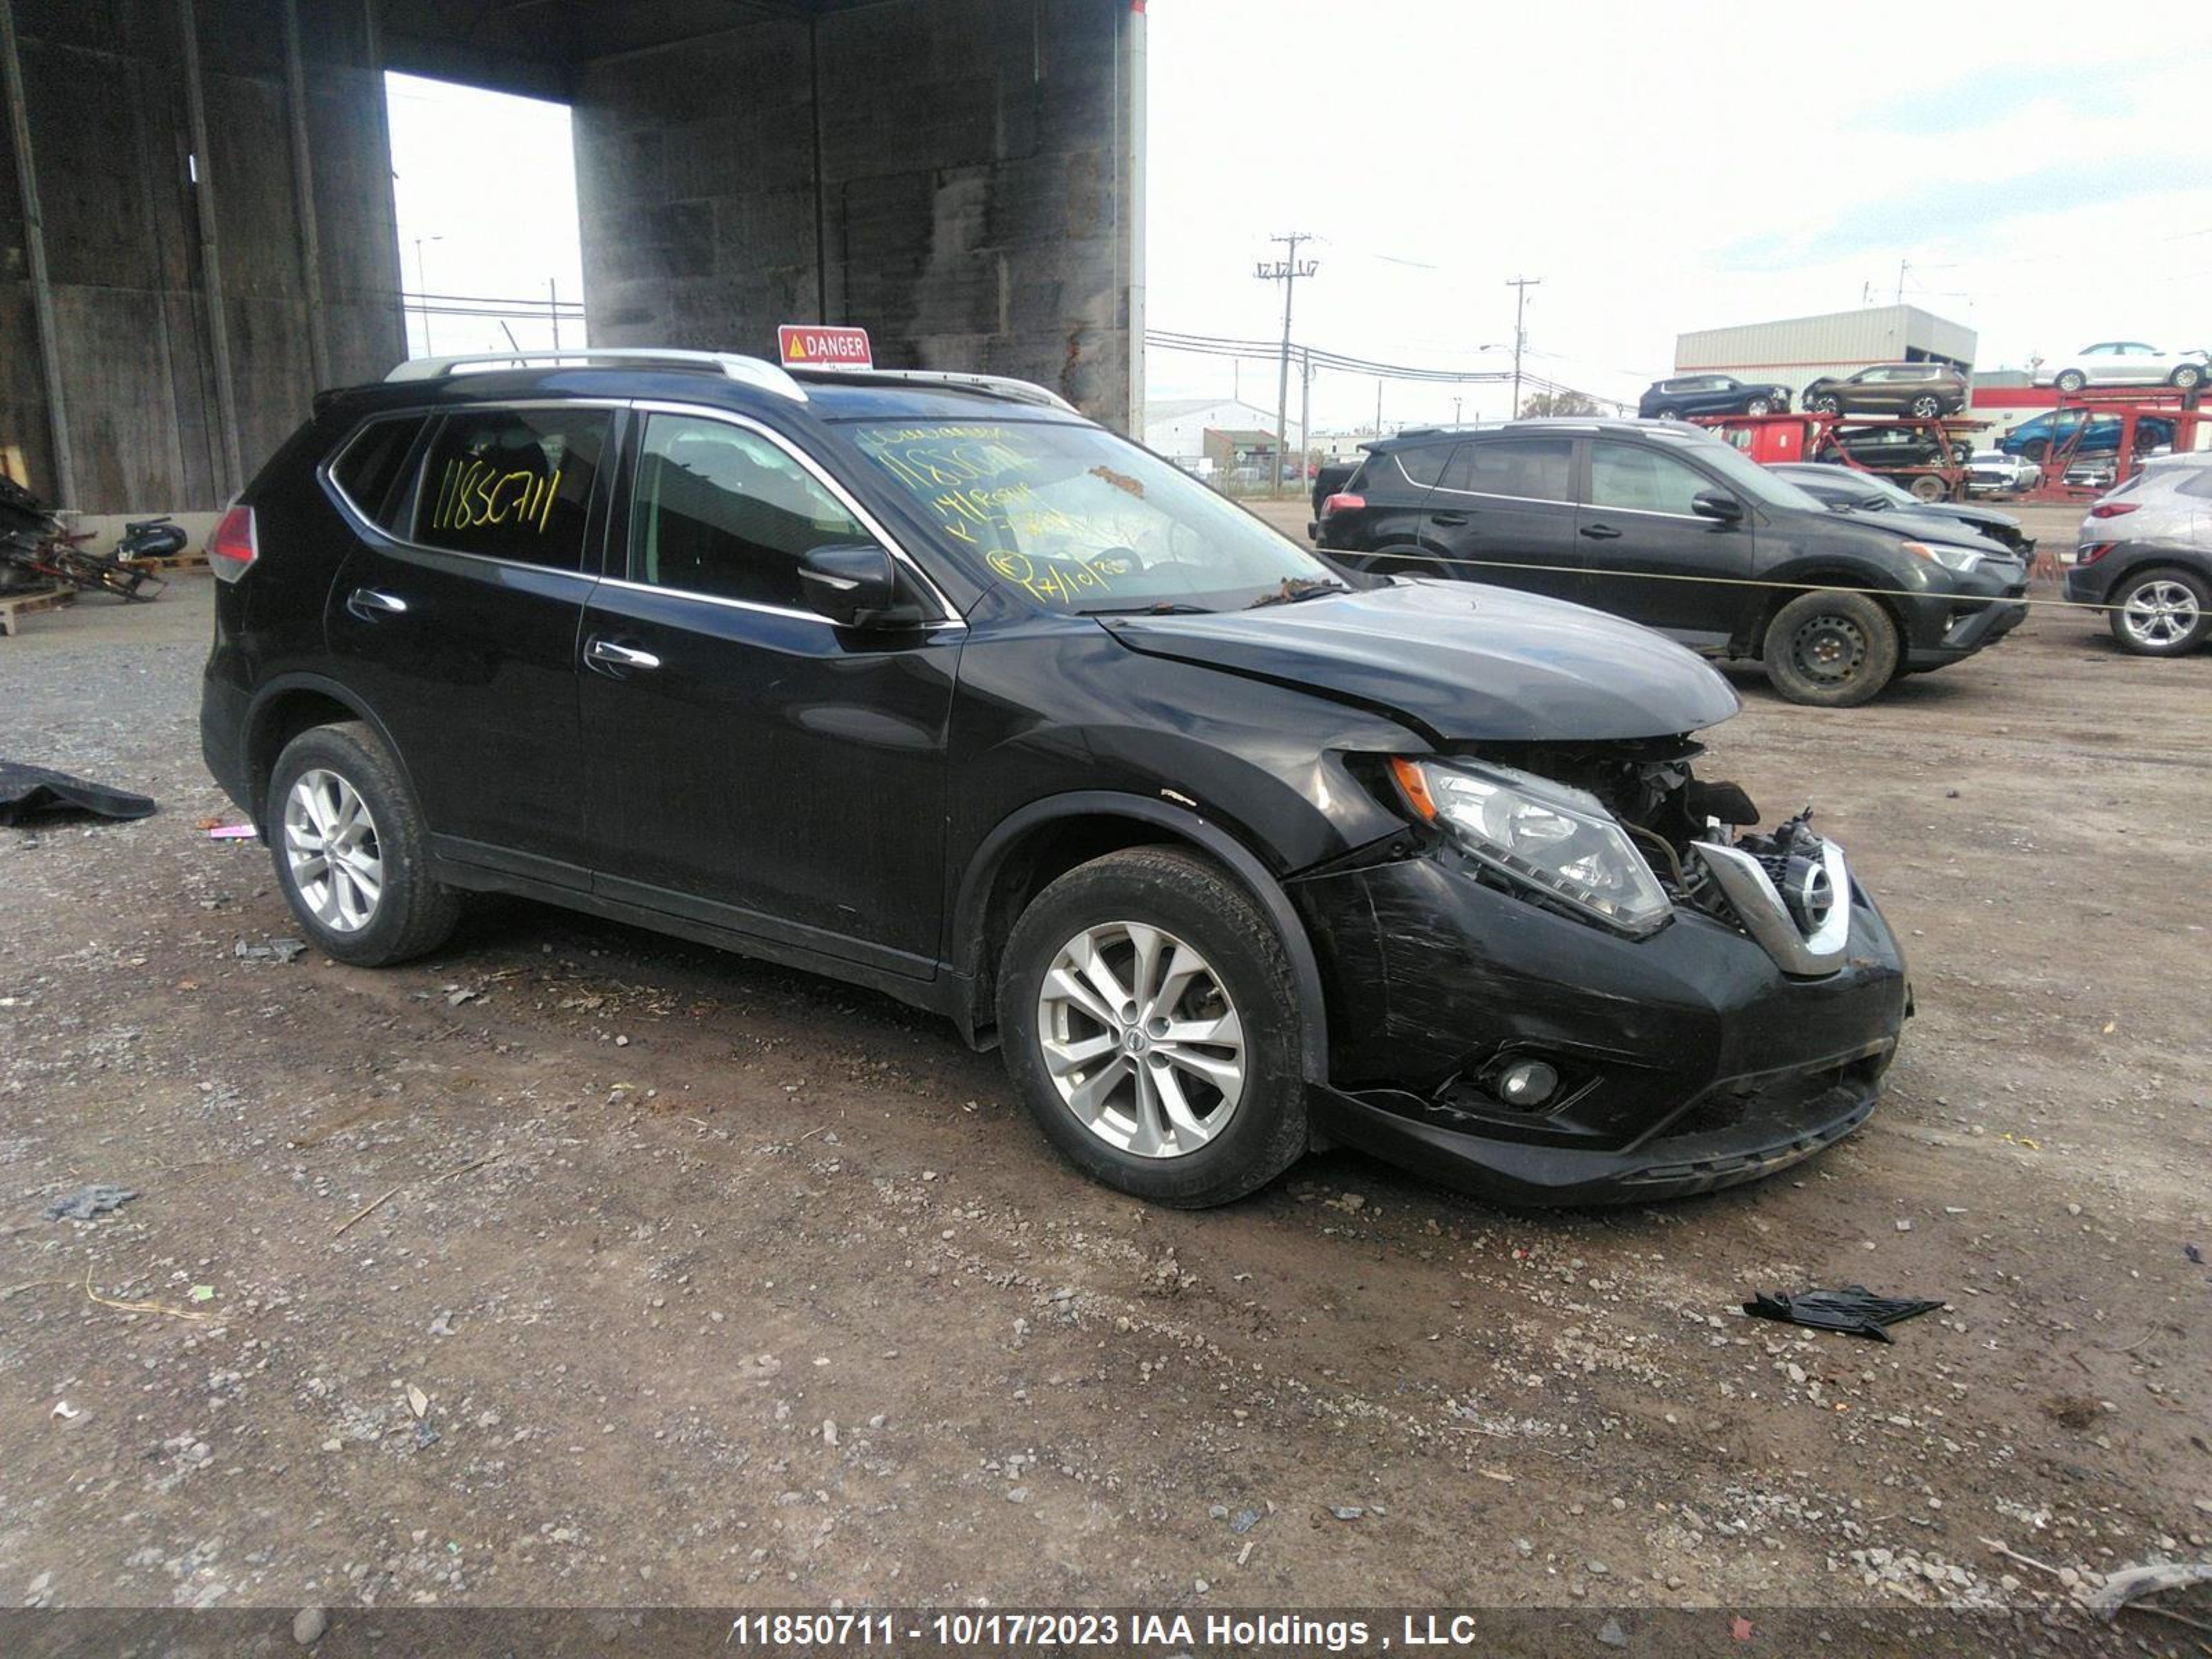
1502 512
1650 556
455 615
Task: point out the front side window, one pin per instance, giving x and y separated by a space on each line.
722 511
511 483
1083 521
1535 469
1630 477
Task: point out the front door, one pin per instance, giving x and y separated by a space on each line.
1651 557
455 615
1503 510
753 765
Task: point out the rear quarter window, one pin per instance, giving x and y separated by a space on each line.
368 469
1424 466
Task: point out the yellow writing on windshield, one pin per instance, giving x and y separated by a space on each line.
1057 582
474 494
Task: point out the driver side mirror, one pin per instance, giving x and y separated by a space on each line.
854 585
1717 505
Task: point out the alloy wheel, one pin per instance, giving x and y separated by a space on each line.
2160 613
1829 649
1141 1039
331 847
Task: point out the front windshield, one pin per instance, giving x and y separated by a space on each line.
1084 522
1753 479
1874 483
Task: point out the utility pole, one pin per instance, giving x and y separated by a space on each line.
1305 408
1378 407
422 288
1285 270
1901 269
1521 285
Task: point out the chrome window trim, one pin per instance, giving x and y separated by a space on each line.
1497 496
685 594
351 509
948 613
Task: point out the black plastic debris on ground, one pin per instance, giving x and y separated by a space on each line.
87 1202
30 792
1855 1310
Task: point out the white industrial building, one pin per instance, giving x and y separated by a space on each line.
1177 428
1799 350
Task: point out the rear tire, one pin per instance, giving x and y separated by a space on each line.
1829 405
1152 1121
2070 379
1831 650
1670 414
1759 406
2167 612
351 851
1928 487
1926 408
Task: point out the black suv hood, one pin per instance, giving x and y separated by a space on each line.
1463 663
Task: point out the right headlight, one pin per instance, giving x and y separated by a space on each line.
1559 841
1964 560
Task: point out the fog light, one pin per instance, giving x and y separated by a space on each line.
1527 1083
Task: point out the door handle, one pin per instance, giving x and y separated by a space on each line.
605 653
1448 517
1600 532
369 603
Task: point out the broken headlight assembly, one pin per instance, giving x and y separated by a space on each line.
1544 837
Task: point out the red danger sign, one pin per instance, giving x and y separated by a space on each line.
804 345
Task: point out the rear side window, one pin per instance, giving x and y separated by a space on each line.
1423 467
367 469
511 483
721 510
1535 469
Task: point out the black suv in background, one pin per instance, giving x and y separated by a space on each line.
1709 394
928 683
1674 528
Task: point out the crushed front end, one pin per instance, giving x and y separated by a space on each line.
1524 1007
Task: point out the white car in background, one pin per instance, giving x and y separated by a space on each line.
1989 471
2126 362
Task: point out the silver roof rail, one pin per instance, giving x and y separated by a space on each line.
1026 392
748 371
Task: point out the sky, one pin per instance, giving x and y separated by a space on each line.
1660 168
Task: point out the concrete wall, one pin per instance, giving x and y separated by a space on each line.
289 222
952 175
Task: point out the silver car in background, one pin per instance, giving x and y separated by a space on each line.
2145 549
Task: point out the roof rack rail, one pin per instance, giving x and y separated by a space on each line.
749 371
997 385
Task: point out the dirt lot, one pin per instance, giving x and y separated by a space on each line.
697 1281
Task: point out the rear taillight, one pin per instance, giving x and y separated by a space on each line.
2094 551
233 547
1342 504
2113 509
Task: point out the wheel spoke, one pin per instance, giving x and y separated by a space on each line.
1088 1098
1092 966
1191 1131
1223 1032
1183 966
1062 1058
1148 1137
1063 983
1226 1075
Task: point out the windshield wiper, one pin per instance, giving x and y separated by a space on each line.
1161 608
1295 588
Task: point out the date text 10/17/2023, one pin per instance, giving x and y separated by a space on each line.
1001 1628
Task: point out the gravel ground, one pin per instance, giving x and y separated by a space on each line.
577 1266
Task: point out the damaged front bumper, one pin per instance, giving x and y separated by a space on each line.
1687 1061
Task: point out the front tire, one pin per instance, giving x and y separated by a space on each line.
1670 414
1150 1022
2187 378
2164 612
1759 406
1831 650
351 852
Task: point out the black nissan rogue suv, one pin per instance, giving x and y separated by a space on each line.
1667 525
926 683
